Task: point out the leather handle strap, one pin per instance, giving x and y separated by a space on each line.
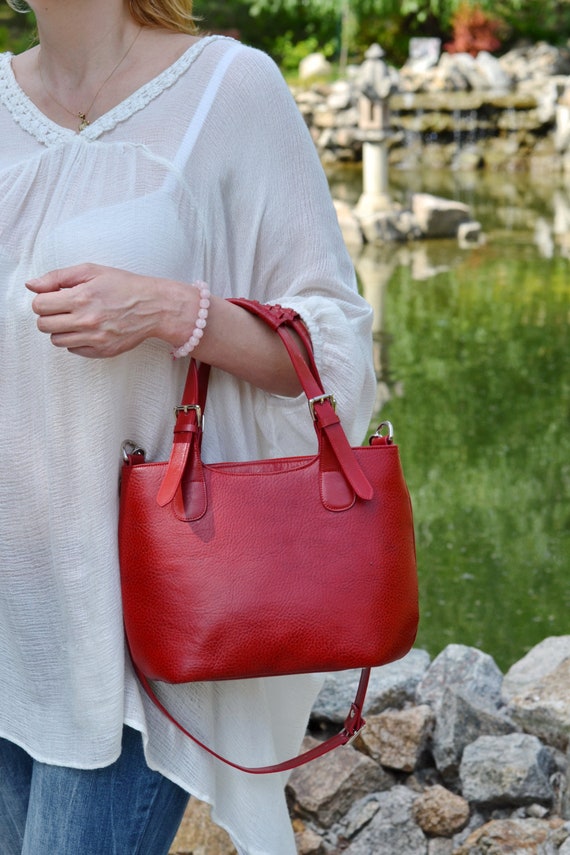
352 726
341 475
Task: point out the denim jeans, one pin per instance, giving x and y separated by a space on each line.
122 809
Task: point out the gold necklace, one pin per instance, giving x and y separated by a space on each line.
83 114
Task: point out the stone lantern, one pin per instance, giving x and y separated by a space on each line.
375 84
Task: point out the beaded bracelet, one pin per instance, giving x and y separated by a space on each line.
200 324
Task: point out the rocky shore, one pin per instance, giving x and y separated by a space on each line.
510 112
456 759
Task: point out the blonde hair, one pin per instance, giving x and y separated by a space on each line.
169 14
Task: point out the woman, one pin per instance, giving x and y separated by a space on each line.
137 161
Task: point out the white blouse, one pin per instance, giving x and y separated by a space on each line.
206 172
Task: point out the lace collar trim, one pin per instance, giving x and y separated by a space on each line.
31 119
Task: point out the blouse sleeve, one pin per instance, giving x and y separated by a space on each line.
282 239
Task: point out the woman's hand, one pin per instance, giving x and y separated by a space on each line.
97 311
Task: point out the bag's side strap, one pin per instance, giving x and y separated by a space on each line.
322 407
187 431
353 724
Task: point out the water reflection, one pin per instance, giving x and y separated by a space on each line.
472 356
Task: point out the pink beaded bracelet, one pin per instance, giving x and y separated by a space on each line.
200 324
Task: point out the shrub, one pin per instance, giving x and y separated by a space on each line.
474 30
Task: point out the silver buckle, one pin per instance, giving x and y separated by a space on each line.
186 408
320 399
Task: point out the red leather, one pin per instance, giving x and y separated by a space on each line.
267 567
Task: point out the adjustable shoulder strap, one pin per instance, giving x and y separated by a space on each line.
353 724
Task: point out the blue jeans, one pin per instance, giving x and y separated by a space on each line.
122 809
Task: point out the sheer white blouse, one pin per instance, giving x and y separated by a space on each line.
206 172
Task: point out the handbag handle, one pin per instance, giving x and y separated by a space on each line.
341 477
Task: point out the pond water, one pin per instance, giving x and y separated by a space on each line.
472 350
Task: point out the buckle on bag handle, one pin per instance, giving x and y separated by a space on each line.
320 399
186 408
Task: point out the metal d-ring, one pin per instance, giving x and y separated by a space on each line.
389 430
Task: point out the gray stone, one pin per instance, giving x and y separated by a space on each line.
392 828
424 53
324 789
461 721
438 217
440 846
495 76
540 661
469 233
507 770
544 707
565 848
509 837
391 685
341 95
358 816
314 65
465 670
382 226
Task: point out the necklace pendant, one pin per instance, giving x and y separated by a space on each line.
83 123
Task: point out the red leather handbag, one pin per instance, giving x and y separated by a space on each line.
267 567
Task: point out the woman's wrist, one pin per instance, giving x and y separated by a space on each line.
200 321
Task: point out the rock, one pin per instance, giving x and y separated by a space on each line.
314 65
438 217
392 828
507 770
386 226
308 842
397 738
325 788
460 721
438 812
392 685
508 837
440 846
544 707
510 794
424 53
469 234
492 71
341 96
540 661
198 835
461 669
565 848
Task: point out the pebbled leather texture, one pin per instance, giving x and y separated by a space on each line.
267 567
268 581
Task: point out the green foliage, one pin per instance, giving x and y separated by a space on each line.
17 31
289 29
388 22
289 52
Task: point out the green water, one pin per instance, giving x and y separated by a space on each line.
476 361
